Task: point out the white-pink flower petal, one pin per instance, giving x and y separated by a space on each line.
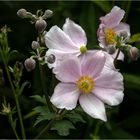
65 96
93 64
109 87
113 18
69 70
57 39
75 32
93 106
123 27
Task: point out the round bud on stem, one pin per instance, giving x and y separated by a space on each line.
30 64
40 25
47 14
133 53
111 49
50 58
22 13
35 45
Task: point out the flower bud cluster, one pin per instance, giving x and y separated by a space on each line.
38 19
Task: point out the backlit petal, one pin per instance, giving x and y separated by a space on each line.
93 106
93 64
109 87
65 96
75 32
69 70
113 18
55 38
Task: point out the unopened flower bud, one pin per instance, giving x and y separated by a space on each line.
124 35
30 64
133 53
35 45
111 49
47 14
22 13
50 59
40 25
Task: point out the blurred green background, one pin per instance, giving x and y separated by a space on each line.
123 120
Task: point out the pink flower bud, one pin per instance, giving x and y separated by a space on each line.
133 53
30 64
35 45
22 13
50 59
40 25
48 13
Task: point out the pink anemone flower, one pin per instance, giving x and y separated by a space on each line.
88 80
71 40
111 27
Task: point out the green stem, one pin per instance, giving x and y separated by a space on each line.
16 98
119 50
44 88
59 114
95 135
46 128
43 82
13 126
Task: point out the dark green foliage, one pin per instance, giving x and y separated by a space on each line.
62 127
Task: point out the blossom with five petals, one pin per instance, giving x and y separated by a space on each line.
69 41
111 27
88 80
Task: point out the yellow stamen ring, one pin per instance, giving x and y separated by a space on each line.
110 36
85 84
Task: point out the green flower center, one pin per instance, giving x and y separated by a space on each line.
83 49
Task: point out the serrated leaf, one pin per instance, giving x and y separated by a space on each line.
75 117
62 127
40 119
39 98
44 114
134 38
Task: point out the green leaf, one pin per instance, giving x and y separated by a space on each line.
39 98
62 127
75 117
40 119
134 38
44 114
132 81
104 5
